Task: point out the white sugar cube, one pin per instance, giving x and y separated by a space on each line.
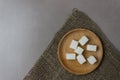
79 50
81 59
91 59
91 47
70 56
74 44
83 40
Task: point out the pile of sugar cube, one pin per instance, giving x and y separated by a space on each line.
78 51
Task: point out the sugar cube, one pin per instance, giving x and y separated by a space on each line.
83 40
79 50
70 56
91 47
91 59
81 59
74 44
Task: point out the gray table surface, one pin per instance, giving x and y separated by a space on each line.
28 26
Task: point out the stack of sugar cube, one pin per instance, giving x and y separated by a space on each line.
78 51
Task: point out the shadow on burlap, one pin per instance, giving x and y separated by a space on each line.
48 66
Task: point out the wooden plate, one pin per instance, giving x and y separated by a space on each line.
72 65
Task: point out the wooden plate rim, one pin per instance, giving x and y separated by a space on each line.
58 50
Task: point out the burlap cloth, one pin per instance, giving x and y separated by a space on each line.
48 66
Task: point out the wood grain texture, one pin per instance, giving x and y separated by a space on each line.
72 65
